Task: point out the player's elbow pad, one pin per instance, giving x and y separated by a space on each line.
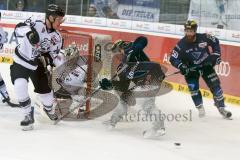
33 37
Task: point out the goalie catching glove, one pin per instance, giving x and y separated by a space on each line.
106 84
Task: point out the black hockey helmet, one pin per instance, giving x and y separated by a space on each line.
140 42
54 10
191 24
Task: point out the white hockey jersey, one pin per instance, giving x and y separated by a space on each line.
26 54
2 37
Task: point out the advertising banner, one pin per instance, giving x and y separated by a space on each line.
139 10
222 14
159 49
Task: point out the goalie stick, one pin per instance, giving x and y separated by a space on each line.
89 97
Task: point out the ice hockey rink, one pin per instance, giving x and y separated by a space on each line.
212 137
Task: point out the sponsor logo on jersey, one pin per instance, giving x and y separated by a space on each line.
196 55
189 50
199 61
202 45
54 40
35 53
45 45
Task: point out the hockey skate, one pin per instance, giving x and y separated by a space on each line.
225 113
51 114
109 124
154 133
27 123
201 111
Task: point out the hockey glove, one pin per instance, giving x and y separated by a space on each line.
213 59
184 69
106 84
33 36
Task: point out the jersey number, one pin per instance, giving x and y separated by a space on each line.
175 54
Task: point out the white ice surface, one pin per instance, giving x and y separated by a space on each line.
212 137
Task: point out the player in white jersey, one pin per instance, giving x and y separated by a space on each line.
37 41
3 91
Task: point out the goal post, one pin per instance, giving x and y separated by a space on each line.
93 47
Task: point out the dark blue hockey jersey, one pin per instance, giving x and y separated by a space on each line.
194 54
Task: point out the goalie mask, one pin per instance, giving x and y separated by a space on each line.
120 44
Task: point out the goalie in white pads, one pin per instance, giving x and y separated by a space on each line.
36 39
3 90
72 77
139 72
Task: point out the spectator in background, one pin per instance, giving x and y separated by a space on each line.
3 5
35 6
92 11
109 13
20 5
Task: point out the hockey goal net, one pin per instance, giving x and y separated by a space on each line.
92 48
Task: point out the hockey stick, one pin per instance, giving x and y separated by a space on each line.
171 74
89 97
7 100
190 69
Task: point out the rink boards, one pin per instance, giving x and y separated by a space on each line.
158 49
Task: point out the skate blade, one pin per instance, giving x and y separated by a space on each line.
27 128
228 118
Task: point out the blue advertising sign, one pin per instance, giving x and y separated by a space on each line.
140 10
